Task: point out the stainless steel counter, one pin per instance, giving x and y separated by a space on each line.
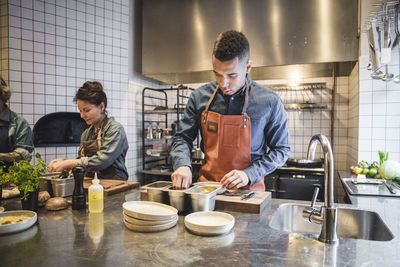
76 238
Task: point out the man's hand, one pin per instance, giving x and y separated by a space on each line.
234 179
182 177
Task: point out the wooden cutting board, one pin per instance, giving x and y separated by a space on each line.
253 205
111 186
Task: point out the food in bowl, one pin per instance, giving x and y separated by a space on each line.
207 189
13 219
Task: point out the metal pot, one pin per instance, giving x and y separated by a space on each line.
304 163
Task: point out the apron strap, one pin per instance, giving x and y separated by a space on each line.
209 103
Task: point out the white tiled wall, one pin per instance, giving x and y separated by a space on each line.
378 104
352 152
55 46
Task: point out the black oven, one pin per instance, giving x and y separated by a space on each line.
295 183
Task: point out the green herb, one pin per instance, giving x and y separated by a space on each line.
25 175
383 157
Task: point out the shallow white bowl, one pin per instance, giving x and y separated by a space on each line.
19 226
141 222
209 222
150 228
148 210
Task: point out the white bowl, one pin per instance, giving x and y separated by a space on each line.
148 210
150 228
141 222
19 226
209 222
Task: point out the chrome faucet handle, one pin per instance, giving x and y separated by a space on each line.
313 214
317 187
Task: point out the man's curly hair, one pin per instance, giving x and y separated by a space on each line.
231 44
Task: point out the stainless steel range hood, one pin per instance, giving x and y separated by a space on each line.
308 35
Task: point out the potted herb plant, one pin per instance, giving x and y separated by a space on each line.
26 176
4 179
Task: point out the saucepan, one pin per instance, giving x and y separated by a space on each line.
304 163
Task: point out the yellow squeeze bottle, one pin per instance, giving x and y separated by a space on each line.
95 196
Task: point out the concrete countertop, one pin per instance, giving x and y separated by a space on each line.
76 238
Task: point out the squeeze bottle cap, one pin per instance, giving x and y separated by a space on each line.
95 180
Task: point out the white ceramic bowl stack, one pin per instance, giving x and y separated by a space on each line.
148 216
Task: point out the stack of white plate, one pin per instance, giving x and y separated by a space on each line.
209 222
148 216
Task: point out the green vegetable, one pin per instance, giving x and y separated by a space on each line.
390 169
375 165
372 172
383 157
363 164
25 175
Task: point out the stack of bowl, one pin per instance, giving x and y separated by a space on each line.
148 216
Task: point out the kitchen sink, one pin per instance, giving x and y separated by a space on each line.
352 223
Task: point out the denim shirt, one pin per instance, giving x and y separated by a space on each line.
20 137
113 149
270 145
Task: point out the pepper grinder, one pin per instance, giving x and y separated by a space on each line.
78 197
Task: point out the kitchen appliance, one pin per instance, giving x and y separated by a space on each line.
296 182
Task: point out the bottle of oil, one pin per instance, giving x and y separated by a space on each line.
95 196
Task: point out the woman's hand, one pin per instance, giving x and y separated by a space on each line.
58 165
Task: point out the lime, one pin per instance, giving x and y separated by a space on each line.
364 171
372 172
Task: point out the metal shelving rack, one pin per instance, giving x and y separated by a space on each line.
157 108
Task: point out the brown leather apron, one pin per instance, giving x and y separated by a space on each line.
90 147
227 142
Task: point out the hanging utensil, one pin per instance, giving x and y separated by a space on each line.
396 30
373 44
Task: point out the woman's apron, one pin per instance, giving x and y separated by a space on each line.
227 143
90 148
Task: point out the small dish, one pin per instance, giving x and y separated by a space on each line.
1 209
151 228
148 210
18 226
140 222
209 222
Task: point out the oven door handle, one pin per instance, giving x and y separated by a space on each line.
281 191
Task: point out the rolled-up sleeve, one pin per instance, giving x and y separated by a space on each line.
114 144
187 131
22 138
277 146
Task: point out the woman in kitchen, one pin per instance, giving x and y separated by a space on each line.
104 144
16 142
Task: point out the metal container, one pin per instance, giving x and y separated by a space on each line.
57 187
62 187
156 193
178 199
203 197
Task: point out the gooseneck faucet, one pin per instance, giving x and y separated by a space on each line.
327 214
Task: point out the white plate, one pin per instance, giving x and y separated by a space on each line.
19 226
148 210
209 222
150 228
141 222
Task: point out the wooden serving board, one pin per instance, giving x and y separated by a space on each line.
253 205
111 186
